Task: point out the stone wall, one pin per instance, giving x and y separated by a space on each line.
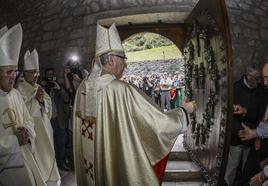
249 28
143 68
60 28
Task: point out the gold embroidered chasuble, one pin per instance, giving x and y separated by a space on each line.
127 138
41 114
17 163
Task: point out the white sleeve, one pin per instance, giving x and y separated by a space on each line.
29 125
47 107
184 119
10 152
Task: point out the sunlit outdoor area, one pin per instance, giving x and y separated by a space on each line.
156 66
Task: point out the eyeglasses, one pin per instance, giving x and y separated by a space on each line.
252 77
33 72
10 72
122 57
265 78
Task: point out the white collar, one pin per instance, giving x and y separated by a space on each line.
246 83
3 93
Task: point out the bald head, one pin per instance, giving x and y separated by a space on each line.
265 74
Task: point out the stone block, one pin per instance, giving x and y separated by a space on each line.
232 4
70 3
51 4
66 22
46 46
73 4
264 35
65 13
52 25
234 11
249 2
59 34
95 7
78 33
264 22
131 3
251 43
115 4
259 11
249 17
47 36
244 6
249 33
76 42
79 11
86 2
104 4
89 20
52 11
250 24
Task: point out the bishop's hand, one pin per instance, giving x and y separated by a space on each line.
40 94
189 106
22 135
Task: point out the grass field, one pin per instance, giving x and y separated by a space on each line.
165 52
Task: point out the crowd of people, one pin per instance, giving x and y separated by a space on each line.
166 90
247 160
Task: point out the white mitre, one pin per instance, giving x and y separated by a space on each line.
108 40
10 43
31 60
3 31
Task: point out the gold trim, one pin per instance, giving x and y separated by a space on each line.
12 117
90 119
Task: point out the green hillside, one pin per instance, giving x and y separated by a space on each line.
144 41
159 53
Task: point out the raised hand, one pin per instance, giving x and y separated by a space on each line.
40 94
247 133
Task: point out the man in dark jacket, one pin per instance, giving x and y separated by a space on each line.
248 109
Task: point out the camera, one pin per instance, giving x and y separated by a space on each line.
50 82
74 70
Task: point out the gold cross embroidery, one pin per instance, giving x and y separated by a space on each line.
12 118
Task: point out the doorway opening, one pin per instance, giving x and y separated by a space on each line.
156 66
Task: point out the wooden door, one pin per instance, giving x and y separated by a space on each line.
208 81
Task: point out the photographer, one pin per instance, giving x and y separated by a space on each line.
147 86
50 83
72 79
59 124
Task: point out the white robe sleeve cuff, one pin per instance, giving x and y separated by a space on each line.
32 136
184 119
46 106
10 153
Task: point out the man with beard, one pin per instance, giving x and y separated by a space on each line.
40 108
